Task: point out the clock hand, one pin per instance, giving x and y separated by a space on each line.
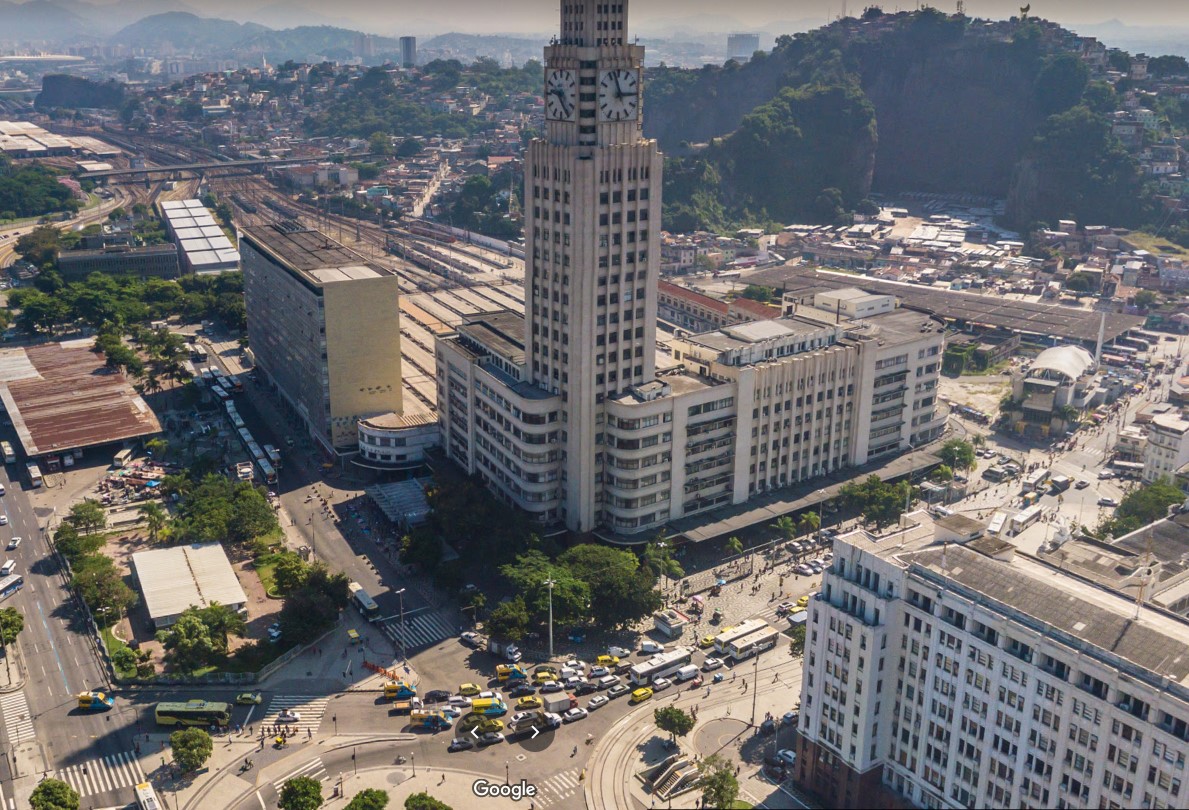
618 89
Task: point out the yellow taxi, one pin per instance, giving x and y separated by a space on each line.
607 661
803 601
543 675
642 694
469 689
528 702
707 641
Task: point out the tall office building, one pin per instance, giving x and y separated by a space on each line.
563 412
408 51
741 47
324 325
943 669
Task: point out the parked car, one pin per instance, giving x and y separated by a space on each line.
522 690
490 738
787 756
649 646
436 696
585 688
1106 475
574 715
599 672
1105 501
529 702
711 664
550 686
469 689
597 701
619 690
460 744
660 684
617 652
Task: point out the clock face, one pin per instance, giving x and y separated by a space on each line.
619 95
561 95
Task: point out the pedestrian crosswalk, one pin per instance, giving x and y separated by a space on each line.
309 708
100 776
558 787
421 630
17 721
314 769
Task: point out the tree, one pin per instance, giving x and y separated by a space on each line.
189 641
786 526
53 794
720 788
124 658
626 590
222 622
810 522
957 454
881 503
509 620
423 801
656 559
942 473
192 747
74 546
409 147
757 292
99 583
155 518
369 799
12 622
673 720
796 640
1145 299
87 516
301 793
571 596
1143 505
734 546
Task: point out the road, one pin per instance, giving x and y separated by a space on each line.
88 216
43 729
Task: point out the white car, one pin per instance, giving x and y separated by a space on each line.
597 701
13 543
787 756
1104 501
599 672
649 646
459 701
575 664
520 717
452 712
574 715
287 716
471 638
711 663
550 686
618 652
3 520
660 684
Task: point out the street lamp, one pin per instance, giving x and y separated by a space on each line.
401 594
413 760
755 678
507 776
549 583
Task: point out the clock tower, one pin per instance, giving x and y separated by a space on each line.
592 228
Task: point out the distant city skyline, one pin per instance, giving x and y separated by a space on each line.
655 17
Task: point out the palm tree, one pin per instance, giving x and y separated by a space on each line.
785 525
657 561
810 523
734 546
156 517
222 622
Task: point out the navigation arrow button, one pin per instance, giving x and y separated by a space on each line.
475 732
536 731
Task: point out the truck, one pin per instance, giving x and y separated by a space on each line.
1059 483
406 706
399 690
504 649
434 721
558 702
511 672
95 701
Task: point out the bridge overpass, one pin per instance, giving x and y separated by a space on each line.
198 167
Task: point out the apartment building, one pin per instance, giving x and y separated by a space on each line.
1167 448
315 309
947 672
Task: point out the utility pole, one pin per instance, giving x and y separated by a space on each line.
401 594
549 583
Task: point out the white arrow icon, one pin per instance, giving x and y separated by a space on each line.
536 731
475 732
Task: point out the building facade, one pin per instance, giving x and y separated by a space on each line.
1167 448
314 311
956 674
151 261
563 411
408 52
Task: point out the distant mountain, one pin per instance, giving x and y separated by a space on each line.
39 21
1150 39
307 42
183 30
107 19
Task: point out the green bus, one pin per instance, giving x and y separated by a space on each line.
193 713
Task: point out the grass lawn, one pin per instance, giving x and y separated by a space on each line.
114 643
266 566
1155 244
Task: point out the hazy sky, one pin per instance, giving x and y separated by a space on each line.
537 16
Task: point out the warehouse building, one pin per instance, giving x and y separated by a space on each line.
204 246
172 580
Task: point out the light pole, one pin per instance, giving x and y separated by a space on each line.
820 502
507 774
413 760
401 594
549 583
755 678
662 545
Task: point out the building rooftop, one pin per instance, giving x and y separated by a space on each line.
1062 606
62 396
173 579
116 250
501 331
313 255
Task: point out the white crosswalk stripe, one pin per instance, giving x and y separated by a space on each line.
313 769
17 721
310 708
421 630
112 772
558 787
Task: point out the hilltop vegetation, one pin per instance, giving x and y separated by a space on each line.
30 190
921 101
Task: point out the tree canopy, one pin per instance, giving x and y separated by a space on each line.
368 799
301 793
191 747
53 794
1142 506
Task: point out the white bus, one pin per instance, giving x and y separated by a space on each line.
266 471
1035 480
10 455
367 605
146 798
756 643
1026 518
741 630
274 456
34 474
664 664
998 520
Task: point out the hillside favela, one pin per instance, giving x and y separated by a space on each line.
680 405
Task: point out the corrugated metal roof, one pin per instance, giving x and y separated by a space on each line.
173 579
62 396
